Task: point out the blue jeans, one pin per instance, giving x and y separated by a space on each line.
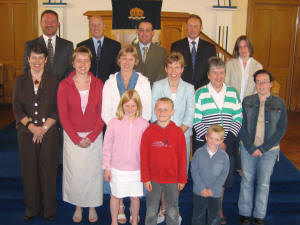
259 169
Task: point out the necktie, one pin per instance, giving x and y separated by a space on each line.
98 50
145 54
50 52
194 54
98 58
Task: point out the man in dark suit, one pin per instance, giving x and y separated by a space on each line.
151 56
104 50
195 71
60 51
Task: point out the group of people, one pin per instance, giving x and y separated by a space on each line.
100 99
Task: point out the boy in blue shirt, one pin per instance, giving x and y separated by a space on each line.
209 168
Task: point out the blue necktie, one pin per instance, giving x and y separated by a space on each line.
194 54
98 57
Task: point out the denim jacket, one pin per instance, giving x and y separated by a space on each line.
275 122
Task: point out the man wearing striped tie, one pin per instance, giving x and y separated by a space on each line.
60 51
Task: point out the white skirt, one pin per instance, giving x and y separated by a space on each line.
82 173
126 183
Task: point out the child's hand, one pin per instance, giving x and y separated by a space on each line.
107 175
148 186
180 186
204 193
209 192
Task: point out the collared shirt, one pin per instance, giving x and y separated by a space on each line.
142 47
245 77
218 97
53 41
131 84
95 41
191 45
211 154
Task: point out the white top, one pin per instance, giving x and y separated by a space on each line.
211 154
84 97
218 97
191 45
111 97
245 77
35 90
53 41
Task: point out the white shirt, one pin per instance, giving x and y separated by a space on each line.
53 41
245 77
96 44
142 47
211 154
84 97
218 97
191 45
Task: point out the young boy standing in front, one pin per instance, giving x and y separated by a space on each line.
163 163
209 169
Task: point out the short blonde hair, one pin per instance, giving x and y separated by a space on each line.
82 49
165 99
175 57
216 129
126 97
128 49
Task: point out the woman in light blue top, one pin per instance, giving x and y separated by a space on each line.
183 97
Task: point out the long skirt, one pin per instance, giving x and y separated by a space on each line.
82 173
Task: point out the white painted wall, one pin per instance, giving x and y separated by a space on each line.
75 25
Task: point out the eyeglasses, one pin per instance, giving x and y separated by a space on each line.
262 82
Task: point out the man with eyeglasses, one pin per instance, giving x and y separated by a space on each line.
151 56
264 124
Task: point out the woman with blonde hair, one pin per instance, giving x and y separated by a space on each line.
121 155
117 84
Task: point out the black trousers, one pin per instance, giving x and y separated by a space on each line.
208 205
39 171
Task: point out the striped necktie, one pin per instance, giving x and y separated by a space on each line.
145 53
50 52
194 54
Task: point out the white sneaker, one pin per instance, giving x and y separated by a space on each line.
161 216
179 220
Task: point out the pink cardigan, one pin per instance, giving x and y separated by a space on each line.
70 112
121 148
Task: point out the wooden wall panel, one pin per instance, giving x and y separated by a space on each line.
271 27
6 38
19 19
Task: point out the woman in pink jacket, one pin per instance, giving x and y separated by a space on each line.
121 155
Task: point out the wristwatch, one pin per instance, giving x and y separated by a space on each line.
28 123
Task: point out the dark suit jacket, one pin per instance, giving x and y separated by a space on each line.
62 57
204 51
154 67
108 60
24 99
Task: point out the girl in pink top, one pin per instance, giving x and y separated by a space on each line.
121 155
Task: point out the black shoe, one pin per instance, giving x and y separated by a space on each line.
258 221
245 220
50 218
27 217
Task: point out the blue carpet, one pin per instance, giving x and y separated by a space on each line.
283 207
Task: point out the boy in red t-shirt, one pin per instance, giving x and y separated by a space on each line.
163 163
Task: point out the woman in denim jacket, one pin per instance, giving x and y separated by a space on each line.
264 124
